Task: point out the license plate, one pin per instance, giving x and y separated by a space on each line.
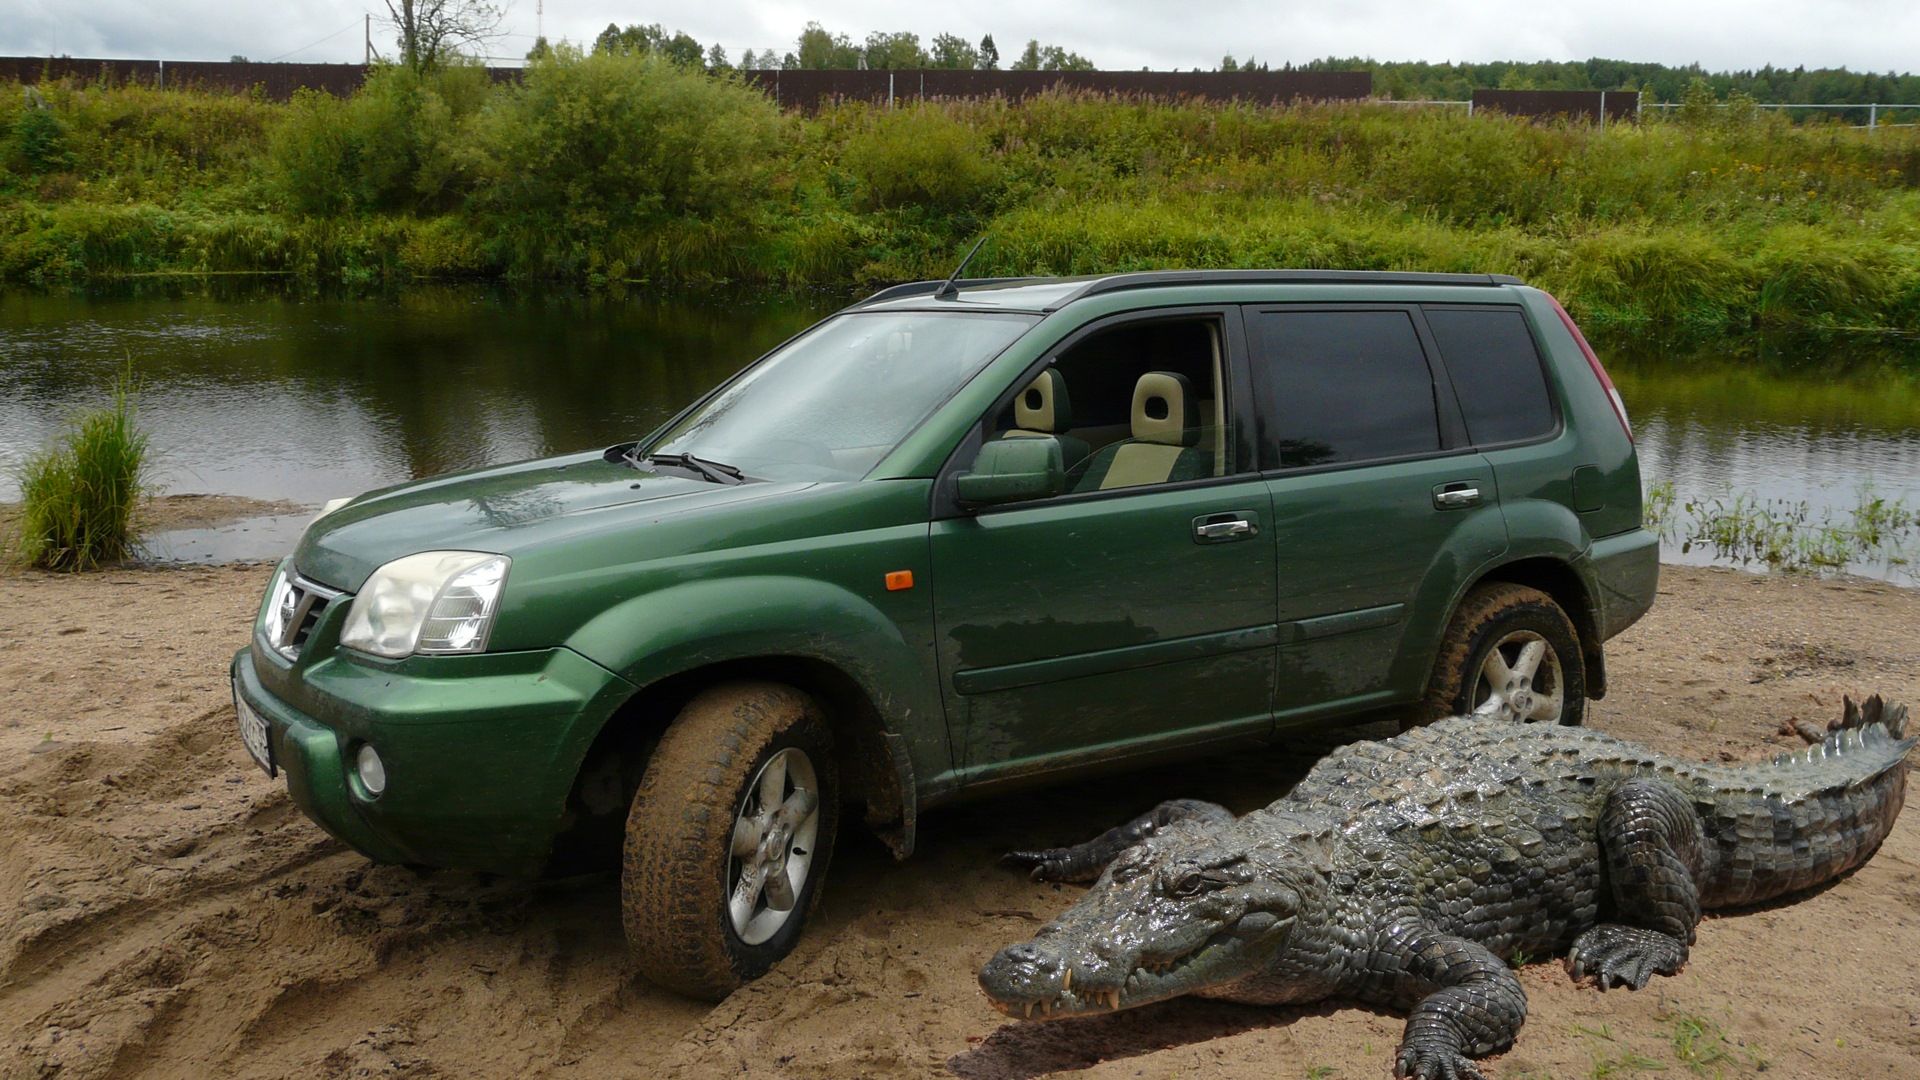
253 731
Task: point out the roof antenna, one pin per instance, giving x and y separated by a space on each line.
949 290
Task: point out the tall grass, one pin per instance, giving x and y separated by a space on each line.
77 498
600 168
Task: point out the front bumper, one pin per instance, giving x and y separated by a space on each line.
481 751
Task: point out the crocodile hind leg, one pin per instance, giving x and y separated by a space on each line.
1465 1003
1083 862
1651 836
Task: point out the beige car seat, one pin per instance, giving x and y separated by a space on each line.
1165 443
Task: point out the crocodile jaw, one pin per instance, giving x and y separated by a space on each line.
1035 982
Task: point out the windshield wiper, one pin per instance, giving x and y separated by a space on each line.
715 471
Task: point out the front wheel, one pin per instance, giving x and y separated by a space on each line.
729 837
1510 653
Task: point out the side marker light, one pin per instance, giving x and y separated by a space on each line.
899 579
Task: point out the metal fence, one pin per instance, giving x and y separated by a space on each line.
807 91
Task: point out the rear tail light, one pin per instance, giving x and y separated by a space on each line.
1593 361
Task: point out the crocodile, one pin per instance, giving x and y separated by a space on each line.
1405 873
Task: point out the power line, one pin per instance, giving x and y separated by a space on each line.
322 41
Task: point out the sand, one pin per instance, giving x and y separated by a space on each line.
166 911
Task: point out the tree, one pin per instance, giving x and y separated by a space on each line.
431 31
818 50
954 53
717 58
989 54
1228 63
1037 57
679 46
898 51
541 49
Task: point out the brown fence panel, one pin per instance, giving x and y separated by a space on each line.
1589 105
276 81
808 90
31 70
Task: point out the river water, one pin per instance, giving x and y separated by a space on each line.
254 390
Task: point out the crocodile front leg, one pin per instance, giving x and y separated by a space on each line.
1465 1002
1083 862
1651 836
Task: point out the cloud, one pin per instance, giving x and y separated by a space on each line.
1873 35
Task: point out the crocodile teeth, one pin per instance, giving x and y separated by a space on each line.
1046 1010
1067 983
1030 1010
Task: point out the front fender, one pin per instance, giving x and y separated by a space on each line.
700 623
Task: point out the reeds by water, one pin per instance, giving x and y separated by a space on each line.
77 497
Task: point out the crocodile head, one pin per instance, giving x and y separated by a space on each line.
1190 911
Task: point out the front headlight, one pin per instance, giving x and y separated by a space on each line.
433 602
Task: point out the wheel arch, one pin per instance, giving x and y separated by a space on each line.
872 762
1561 581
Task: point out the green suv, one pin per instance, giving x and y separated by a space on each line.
958 537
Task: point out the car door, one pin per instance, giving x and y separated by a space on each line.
1380 511
1101 624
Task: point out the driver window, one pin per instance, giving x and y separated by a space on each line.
1135 405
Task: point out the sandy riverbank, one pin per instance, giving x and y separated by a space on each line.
165 911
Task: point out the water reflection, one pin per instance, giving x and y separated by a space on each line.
1828 421
255 391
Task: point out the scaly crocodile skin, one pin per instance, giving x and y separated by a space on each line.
1405 872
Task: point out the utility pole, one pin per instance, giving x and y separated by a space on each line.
539 19
369 60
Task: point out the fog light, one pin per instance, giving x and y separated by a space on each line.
373 771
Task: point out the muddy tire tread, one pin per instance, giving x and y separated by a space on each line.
673 867
1483 606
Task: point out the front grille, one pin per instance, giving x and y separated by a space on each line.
300 604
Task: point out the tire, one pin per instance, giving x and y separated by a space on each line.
708 779
1483 663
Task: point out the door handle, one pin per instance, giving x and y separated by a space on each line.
1222 528
1456 495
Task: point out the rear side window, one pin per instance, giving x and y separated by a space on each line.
1496 372
1345 386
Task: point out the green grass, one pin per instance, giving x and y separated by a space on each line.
77 497
606 169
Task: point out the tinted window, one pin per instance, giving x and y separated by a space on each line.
1346 386
1495 371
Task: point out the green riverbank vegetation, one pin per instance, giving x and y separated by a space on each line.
627 167
77 497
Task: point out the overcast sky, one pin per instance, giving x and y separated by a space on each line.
1865 35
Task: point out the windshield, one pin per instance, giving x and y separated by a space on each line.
831 403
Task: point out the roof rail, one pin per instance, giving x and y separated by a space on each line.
1152 278
928 288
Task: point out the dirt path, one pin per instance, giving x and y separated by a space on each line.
165 911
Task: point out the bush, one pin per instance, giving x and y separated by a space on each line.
921 156
76 500
38 144
399 144
593 160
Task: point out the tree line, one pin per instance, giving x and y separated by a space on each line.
817 48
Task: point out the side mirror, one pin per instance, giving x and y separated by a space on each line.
1013 470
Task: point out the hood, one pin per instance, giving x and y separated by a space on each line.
503 510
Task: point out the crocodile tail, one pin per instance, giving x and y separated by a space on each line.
1871 733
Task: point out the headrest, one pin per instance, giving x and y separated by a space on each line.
1164 411
1043 405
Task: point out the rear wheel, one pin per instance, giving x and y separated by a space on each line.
729 838
1510 653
